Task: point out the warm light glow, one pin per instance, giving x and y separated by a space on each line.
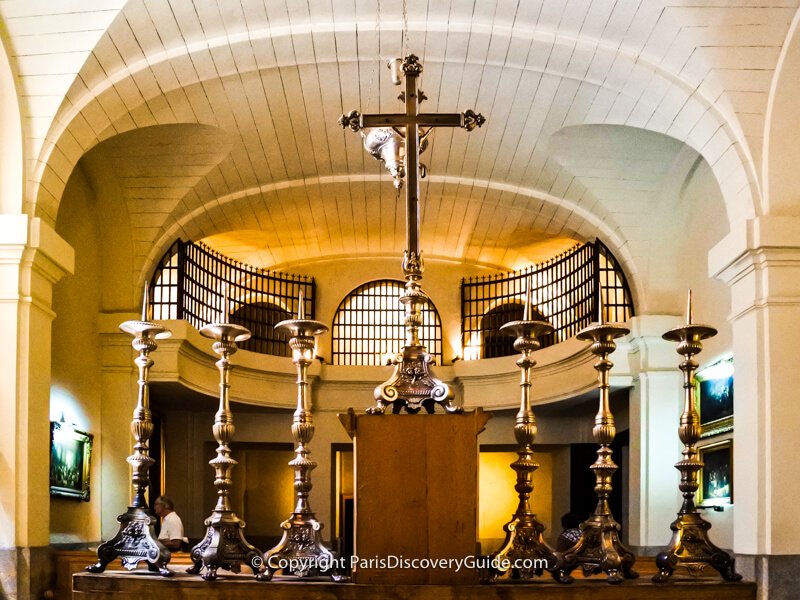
472 351
369 325
165 292
497 498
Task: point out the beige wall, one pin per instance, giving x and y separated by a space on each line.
498 500
442 280
75 391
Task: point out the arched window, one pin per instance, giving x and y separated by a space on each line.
261 318
192 280
369 325
496 343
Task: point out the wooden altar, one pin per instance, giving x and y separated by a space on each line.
416 493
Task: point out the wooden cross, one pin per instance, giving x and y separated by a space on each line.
412 120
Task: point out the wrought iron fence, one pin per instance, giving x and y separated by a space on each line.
369 325
564 293
190 282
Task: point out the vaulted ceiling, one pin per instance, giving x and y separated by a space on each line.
219 118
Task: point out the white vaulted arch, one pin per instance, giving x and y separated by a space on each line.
603 84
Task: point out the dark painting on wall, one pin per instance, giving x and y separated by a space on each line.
716 478
70 461
715 398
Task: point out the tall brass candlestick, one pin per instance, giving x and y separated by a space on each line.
301 551
524 533
690 546
599 549
136 539
224 546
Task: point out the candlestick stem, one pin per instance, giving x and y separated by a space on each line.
136 539
600 549
301 543
224 545
690 546
524 539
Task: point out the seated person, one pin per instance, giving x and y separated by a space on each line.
571 533
171 525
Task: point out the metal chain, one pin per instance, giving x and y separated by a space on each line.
404 42
375 67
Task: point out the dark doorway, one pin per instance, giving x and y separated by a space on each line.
582 496
497 343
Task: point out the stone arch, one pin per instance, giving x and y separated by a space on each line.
688 115
781 151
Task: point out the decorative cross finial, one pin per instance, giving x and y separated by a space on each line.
526 314
145 300
301 308
601 309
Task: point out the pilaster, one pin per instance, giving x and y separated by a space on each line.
655 408
33 257
760 262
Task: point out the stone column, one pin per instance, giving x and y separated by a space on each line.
655 408
119 390
760 261
32 259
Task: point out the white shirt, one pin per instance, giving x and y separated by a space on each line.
172 528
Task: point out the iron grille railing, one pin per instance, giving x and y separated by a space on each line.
190 282
564 293
369 325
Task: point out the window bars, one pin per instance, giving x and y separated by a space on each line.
369 325
564 293
190 282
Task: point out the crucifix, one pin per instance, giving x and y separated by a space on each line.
412 384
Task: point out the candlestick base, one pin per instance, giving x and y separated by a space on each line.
691 549
599 550
413 386
225 547
524 542
135 541
301 552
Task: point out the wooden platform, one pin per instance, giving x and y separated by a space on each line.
140 584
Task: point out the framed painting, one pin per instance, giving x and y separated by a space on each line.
715 397
70 461
716 477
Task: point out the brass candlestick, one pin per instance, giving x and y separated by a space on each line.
690 546
136 539
301 551
224 546
524 533
599 549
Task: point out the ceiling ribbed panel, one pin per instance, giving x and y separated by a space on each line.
272 77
